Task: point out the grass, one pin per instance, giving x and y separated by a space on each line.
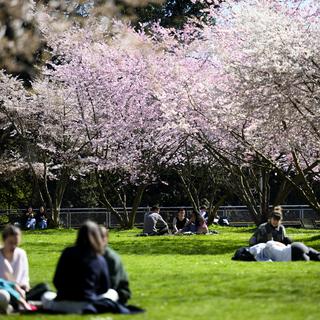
193 277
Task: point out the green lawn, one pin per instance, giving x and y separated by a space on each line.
193 277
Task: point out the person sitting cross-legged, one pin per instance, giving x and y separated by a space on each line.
153 223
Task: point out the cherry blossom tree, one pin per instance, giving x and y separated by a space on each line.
255 92
121 102
112 75
49 142
270 49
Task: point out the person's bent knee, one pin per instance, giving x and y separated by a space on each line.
4 301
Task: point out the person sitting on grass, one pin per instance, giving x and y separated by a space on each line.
14 264
30 220
271 230
179 222
14 271
196 224
41 218
204 213
12 298
153 224
82 276
119 279
277 251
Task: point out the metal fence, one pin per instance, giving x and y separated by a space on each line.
237 215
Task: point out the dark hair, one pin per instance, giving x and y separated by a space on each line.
89 238
155 207
276 215
203 207
198 218
10 230
181 209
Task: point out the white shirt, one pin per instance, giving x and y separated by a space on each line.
16 270
271 251
278 252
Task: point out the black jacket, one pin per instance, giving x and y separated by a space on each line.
267 231
80 275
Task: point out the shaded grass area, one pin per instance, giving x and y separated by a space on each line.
193 277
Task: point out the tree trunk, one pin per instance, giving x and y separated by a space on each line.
135 205
105 201
213 211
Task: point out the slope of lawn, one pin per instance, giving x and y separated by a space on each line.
193 277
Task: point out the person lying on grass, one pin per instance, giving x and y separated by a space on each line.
277 251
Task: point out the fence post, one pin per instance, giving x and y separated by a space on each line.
107 220
69 220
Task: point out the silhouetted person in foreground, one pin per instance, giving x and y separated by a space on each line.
119 280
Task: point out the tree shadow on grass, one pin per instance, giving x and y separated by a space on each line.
314 238
177 245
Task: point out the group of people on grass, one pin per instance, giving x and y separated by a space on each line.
154 224
268 243
89 277
31 220
271 243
